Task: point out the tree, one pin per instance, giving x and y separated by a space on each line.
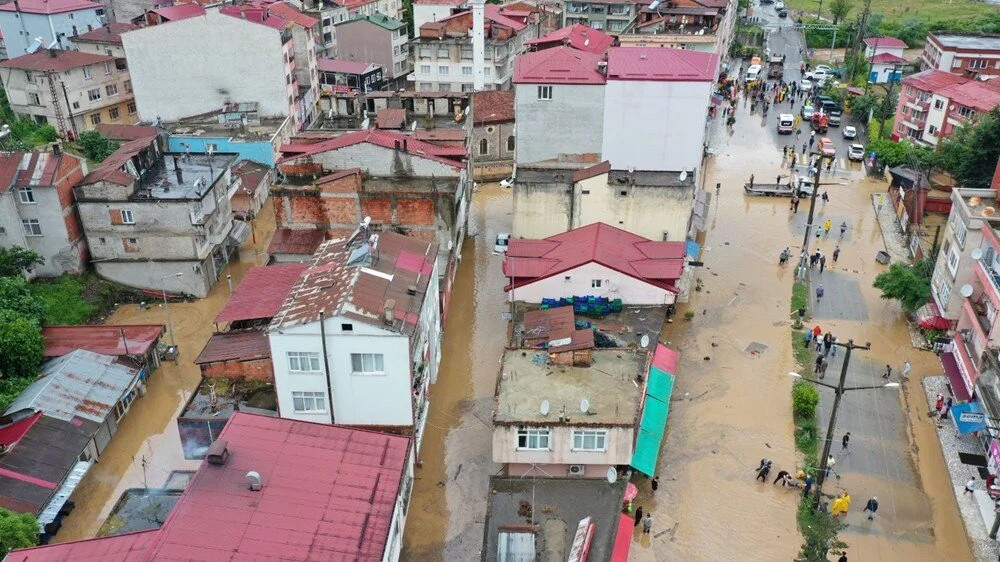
20 345
839 9
970 155
909 284
862 105
16 296
16 260
96 146
912 31
17 530
899 154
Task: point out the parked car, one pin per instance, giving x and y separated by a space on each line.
779 5
782 13
753 72
507 182
826 147
503 240
850 133
856 152
786 124
806 85
807 112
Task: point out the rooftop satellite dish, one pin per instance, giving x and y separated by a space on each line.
683 176
612 475
644 341
977 253
584 405
966 290
544 409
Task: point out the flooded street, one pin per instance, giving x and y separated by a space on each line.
147 446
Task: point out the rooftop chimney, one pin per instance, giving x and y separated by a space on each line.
253 478
56 149
53 52
390 311
218 453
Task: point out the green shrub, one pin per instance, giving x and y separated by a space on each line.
804 400
63 300
17 530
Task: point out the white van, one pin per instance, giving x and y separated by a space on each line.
753 72
786 124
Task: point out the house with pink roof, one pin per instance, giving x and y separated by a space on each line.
885 57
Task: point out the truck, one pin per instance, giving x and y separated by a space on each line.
820 121
797 185
776 67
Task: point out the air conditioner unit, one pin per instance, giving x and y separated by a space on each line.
577 469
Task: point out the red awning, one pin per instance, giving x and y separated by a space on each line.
666 359
929 317
855 90
631 491
958 386
14 432
623 539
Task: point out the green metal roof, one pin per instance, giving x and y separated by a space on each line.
378 19
654 421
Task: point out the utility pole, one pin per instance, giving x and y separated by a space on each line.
812 210
858 39
885 103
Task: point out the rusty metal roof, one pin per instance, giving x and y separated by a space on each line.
399 270
235 346
549 324
81 384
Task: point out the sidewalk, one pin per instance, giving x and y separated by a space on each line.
977 512
892 236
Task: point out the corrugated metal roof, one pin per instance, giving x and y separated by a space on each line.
559 65
101 338
657 64
295 242
549 324
378 137
577 36
261 292
235 346
129 547
81 384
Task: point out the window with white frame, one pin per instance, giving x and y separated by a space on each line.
111 89
27 195
959 229
442 69
86 73
425 69
127 217
466 71
367 363
303 362
309 402
31 227
953 259
94 95
589 440
533 439
545 92
33 99
595 283
107 67
943 289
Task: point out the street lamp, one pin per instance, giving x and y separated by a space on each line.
839 391
163 288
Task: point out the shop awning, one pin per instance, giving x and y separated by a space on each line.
623 539
968 417
929 317
950 364
654 413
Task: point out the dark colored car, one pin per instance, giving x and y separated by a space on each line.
783 14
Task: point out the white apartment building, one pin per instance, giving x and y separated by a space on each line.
357 340
54 22
435 10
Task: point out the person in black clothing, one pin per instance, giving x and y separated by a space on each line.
819 363
781 477
843 558
763 470
871 507
655 483
845 441
638 516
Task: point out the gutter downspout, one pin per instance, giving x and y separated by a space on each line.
326 363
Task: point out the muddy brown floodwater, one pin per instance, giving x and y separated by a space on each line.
147 446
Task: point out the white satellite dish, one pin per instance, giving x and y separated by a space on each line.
544 409
966 290
612 475
584 405
644 341
977 253
683 176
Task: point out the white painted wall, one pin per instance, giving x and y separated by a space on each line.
59 254
619 446
636 112
21 29
423 13
380 161
614 285
196 65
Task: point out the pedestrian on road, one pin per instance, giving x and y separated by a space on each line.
819 362
794 159
763 470
826 197
843 557
843 228
887 373
939 403
827 225
822 263
812 134
638 516
819 344
830 463
808 487
816 331
833 346
871 507
647 523
845 441
822 367
751 181
812 140
819 293
781 477
804 148
970 487
906 370
829 165
655 483
778 180
836 253
784 151
794 202
827 342
945 409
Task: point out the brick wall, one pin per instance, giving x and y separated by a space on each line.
255 370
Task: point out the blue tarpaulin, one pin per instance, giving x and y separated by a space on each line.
968 417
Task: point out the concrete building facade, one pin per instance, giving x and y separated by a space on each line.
971 56
55 22
378 39
933 103
610 17
493 142
964 234
38 212
425 11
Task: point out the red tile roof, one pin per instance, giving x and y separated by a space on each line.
667 65
890 42
657 263
578 36
110 169
361 291
378 137
559 65
289 13
256 14
295 242
261 292
932 80
235 346
180 11
110 33
126 132
493 106
342 66
886 58
976 94
492 13
390 118
441 2
101 338
49 7
328 494
129 547
42 60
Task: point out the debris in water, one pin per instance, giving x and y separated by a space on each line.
707 358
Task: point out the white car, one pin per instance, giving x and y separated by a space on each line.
779 5
806 85
856 152
850 133
822 67
753 72
507 182
503 240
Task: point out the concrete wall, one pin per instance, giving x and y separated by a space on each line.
380 161
197 277
21 29
672 113
197 64
255 370
619 445
357 399
423 13
945 285
614 285
362 40
570 123
496 136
